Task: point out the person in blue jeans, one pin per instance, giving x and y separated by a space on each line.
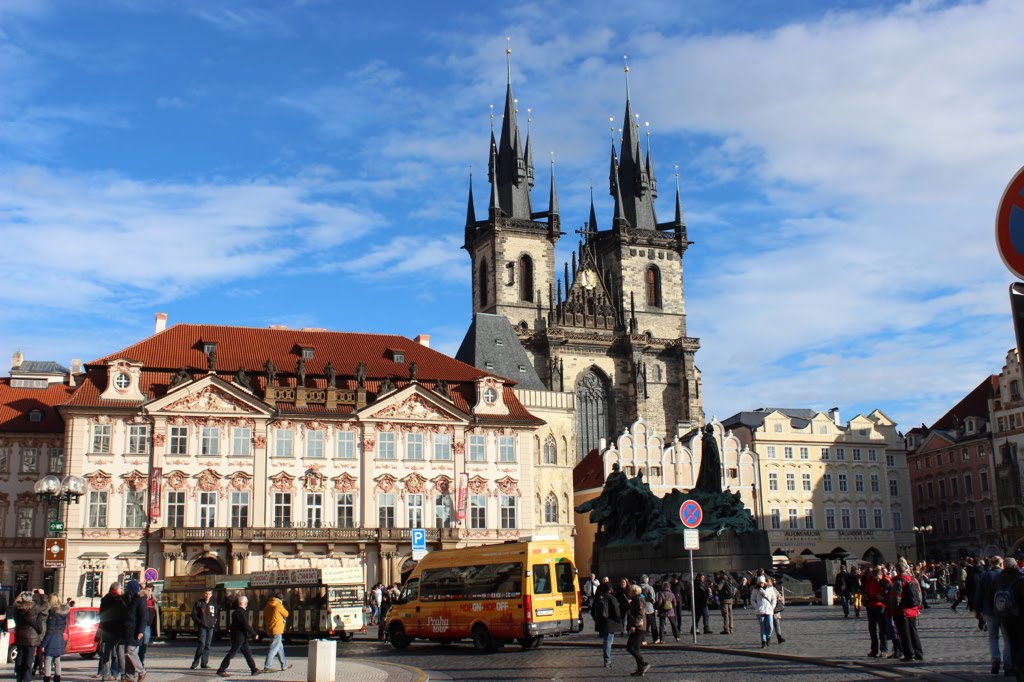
204 616
764 598
607 619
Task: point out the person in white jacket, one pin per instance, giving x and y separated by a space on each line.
764 597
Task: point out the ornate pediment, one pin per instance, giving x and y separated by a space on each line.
314 481
508 486
240 480
414 483
414 407
282 482
478 485
135 480
99 480
385 483
442 484
209 399
208 480
345 483
177 480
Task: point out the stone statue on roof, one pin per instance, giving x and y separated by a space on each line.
332 374
361 374
182 377
386 386
300 372
441 388
211 360
414 371
242 378
271 371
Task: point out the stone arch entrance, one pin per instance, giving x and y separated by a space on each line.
873 556
207 564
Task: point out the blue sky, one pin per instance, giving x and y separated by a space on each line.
305 163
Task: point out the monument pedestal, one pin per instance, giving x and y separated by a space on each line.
729 551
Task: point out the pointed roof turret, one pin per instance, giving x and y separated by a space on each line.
633 173
513 169
592 221
494 209
470 208
553 196
650 165
679 203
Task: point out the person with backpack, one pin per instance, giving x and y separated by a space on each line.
728 593
607 619
666 605
1007 591
906 614
992 618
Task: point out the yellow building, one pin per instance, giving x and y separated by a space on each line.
826 488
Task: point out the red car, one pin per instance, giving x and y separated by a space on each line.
80 636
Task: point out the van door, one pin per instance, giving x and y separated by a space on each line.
543 597
567 591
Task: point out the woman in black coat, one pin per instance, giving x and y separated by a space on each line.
27 627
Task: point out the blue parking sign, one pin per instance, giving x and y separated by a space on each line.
419 538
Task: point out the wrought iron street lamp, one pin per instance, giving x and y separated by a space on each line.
52 490
923 531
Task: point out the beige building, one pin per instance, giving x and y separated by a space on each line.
231 450
826 488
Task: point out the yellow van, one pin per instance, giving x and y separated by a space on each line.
492 594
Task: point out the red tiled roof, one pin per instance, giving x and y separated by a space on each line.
974 404
16 403
589 473
165 353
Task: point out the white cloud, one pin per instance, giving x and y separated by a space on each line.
77 240
412 262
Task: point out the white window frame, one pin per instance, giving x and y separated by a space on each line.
240 509
477 448
508 509
101 434
209 442
507 449
386 445
315 447
345 506
134 508
283 510
386 510
284 443
138 439
98 509
346 444
241 441
314 510
414 446
177 440
478 512
414 510
442 446
207 509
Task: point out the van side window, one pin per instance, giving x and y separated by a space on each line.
541 579
564 575
411 591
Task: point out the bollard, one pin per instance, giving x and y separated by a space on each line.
827 595
322 660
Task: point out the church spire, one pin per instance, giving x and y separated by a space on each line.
470 208
634 174
592 221
513 174
553 196
679 204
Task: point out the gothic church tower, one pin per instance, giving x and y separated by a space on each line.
612 328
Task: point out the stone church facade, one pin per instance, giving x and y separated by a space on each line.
609 327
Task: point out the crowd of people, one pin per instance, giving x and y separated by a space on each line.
647 612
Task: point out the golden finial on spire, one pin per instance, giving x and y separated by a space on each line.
625 70
508 58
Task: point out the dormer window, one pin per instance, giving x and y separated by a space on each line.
35 416
122 381
307 353
209 347
522 369
489 365
397 356
499 342
490 396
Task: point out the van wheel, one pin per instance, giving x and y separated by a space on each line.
530 642
482 639
12 654
398 638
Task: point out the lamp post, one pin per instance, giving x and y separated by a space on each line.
52 490
923 531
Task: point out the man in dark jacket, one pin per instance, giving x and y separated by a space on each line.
700 604
241 632
133 630
112 615
204 617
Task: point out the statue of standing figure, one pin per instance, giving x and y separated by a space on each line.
710 477
271 371
361 374
300 372
331 373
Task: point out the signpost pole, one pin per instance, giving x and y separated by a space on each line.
693 600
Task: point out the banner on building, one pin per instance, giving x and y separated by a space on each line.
156 487
463 493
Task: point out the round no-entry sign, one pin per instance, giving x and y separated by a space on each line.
151 575
691 514
1010 225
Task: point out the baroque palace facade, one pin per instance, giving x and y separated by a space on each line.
230 450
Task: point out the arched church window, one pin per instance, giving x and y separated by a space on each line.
484 279
653 285
525 278
591 412
550 452
551 509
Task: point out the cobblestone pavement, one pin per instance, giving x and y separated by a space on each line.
820 646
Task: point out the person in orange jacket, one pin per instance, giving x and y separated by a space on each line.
274 615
